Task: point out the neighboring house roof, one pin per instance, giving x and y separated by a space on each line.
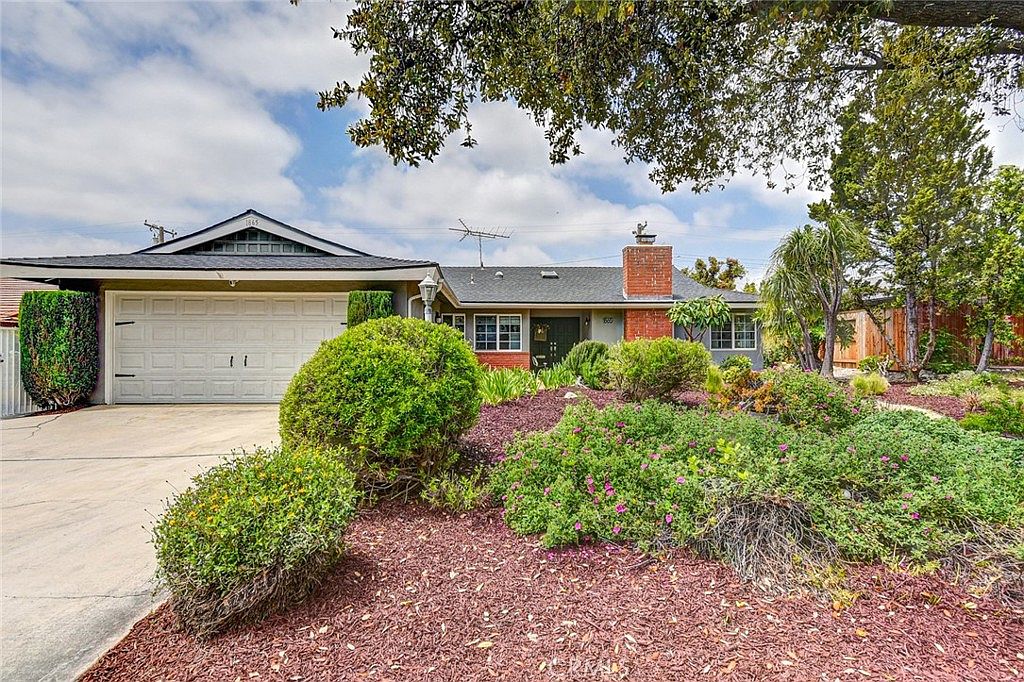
176 261
11 291
572 286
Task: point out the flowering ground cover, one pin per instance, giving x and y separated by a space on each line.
427 595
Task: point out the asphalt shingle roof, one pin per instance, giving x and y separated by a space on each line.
185 261
574 286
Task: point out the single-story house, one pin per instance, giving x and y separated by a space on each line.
229 313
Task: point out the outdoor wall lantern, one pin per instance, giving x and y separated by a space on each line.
428 290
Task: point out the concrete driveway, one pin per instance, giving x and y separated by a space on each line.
79 494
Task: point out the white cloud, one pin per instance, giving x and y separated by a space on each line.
157 139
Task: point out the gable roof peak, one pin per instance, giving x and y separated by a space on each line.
248 219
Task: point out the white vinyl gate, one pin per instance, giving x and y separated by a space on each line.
13 398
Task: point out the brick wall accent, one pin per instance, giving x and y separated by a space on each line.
647 270
646 323
498 360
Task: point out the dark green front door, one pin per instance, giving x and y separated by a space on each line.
552 337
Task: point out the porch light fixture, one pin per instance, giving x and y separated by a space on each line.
428 290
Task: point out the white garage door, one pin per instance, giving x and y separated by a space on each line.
217 348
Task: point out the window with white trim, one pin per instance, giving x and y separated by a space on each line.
739 333
457 320
498 332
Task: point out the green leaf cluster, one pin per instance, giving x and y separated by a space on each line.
654 368
59 343
395 393
369 305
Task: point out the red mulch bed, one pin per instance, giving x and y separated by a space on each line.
498 424
429 596
947 405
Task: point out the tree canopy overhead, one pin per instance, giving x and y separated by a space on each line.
699 89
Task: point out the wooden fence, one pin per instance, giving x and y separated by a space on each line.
13 398
868 339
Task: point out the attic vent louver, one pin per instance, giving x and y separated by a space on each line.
548 274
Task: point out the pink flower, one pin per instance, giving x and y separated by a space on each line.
884 458
620 508
915 516
692 444
577 429
620 425
935 479
827 418
668 518
904 458
616 530
578 526
547 491
783 447
680 480
644 466
654 455
855 411
904 506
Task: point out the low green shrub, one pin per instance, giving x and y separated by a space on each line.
808 399
369 305
874 363
252 536
456 492
1003 415
983 385
776 355
556 376
589 361
59 345
895 485
654 368
502 385
715 382
865 385
950 354
740 362
395 393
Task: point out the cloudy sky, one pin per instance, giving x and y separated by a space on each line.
186 114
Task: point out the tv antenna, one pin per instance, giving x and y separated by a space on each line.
159 232
480 236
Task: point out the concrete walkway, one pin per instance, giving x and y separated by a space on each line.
79 494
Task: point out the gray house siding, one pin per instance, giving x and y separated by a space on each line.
756 354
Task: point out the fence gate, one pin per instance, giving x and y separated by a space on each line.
13 398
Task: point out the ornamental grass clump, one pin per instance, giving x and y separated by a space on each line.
871 384
508 383
252 536
393 394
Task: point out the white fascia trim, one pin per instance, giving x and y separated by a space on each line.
262 223
36 272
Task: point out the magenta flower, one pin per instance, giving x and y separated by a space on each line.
680 480
935 479
578 526
616 530
783 447
620 508
654 455
577 429
668 518
904 458
884 458
692 443
620 425
827 418
547 491
855 411
915 516
644 466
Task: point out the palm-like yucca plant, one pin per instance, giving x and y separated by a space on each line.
808 277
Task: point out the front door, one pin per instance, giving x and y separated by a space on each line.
552 337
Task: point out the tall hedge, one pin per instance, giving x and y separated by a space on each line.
369 305
59 346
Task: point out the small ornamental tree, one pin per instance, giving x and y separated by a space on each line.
369 305
59 346
698 315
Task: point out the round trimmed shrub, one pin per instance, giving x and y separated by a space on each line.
394 393
59 346
588 360
653 368
252 536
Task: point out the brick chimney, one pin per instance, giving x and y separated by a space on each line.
647 268
646 274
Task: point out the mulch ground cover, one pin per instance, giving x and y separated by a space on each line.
947 405
425 595
498 424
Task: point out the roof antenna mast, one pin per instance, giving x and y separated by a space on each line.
159 232
480 236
